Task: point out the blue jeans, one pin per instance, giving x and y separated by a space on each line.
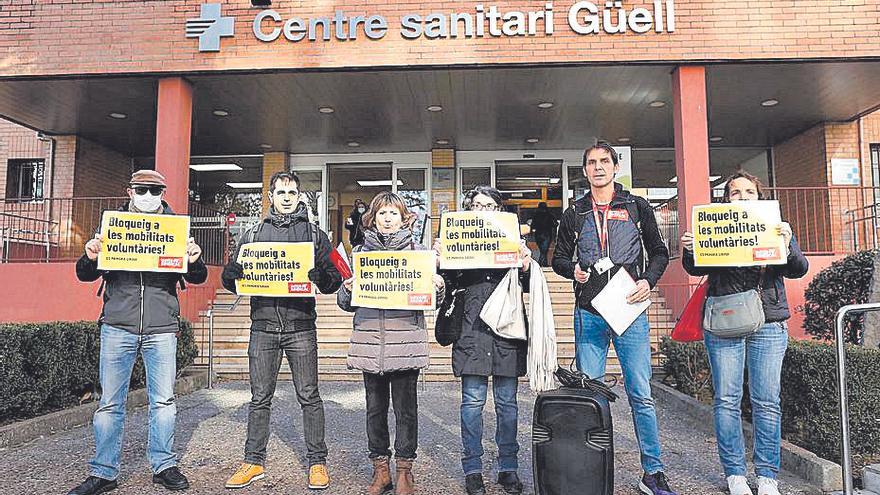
762 353
119 350
592 337
473 398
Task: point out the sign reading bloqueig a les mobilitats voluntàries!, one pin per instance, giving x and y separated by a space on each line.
584 18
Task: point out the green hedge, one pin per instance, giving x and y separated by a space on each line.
810 416
50 366
846 281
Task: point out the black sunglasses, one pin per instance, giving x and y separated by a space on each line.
154 190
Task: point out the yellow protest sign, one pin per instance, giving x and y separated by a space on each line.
479 239
394 280
276 269
742 233
143 242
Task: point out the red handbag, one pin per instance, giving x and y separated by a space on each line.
689 327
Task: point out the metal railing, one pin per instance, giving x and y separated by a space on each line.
825 220
210 314
56 229
841 387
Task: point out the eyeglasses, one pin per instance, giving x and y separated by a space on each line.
484 207
154 190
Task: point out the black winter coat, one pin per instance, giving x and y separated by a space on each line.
730 280
478 351
290 314
141 302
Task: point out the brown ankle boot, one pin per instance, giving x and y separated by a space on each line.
381 477
406 484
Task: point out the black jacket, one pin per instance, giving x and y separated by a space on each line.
573 219
478 351
730 280
141 302
290 314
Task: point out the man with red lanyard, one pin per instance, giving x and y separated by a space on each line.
607 230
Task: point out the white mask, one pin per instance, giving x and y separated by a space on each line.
147 202
362 210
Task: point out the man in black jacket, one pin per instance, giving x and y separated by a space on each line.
608 230
141 312
284 325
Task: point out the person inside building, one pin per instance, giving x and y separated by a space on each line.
390 347
543 229
141 314
760 352
353 223
604 231
284 326
479 353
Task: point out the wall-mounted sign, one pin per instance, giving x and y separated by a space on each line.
583 18
845 172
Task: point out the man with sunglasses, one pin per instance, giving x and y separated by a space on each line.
284 326
607 230
141 313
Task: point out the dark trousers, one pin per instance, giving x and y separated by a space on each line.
264 359
402 392
543 247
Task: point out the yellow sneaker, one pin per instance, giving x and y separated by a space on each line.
246 474
319 478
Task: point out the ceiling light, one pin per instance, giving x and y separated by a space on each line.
712 178
266 146
245 185
657 104
220 113
623 139
368 183
353 144
326 110
715 139
770 103
442 142
515 191
545 104
213 167
532 140
555 180
117 115
434 108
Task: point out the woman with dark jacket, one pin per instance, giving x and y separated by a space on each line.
761 353
479 354
390 347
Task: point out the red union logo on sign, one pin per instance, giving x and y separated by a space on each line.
299 288
505 257
170 262
764 254
418 299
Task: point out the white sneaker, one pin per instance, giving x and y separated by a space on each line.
738 485
767 486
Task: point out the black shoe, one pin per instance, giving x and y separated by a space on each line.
473 484
509 481
93 486
171 479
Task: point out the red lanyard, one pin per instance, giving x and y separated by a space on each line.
602 228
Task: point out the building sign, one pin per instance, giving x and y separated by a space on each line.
584 18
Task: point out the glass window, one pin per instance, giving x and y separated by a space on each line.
24 179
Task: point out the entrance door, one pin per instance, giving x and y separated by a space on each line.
533 190
412 184
348 182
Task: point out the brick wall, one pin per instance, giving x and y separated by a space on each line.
124 36
100 171
18 142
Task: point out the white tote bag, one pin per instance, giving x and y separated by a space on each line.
503 311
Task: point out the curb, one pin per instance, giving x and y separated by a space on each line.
825 475
22 432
